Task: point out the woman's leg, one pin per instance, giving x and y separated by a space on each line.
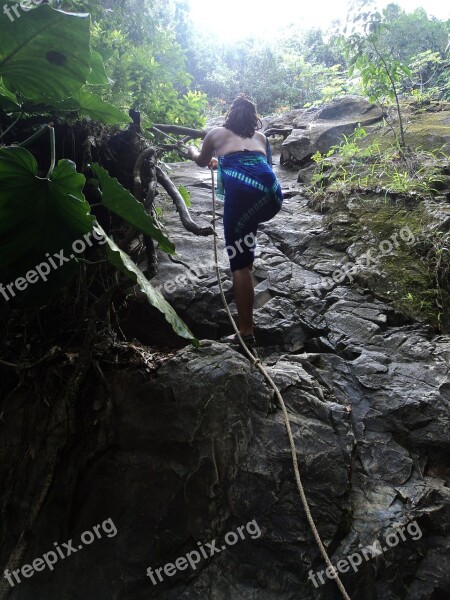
244 296
243 289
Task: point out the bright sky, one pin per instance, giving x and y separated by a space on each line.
233 19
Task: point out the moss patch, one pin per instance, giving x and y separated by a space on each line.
371 191
409 275
429 130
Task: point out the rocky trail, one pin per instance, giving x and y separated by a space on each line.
196 450
368 394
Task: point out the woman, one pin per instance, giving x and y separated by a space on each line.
252 195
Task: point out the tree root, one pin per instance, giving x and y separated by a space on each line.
182 209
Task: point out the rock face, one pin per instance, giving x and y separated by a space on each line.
317 129
196 451
431 129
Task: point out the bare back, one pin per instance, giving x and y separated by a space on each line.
221 141
226 142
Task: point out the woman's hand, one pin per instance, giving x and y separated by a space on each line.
192 152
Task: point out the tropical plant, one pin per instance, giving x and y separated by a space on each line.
380 73
45 214
407 34
426 69
34 79
353 164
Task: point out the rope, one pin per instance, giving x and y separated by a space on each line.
257 363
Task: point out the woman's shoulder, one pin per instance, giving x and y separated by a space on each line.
217 133
218 129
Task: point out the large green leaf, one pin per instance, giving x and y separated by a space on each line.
98 74
8 100
45 53
123 262
93 106
53 107
10 103
184 193
116 198
39 217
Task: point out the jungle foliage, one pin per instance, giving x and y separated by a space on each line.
48 66
299 68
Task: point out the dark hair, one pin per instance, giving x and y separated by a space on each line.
242 119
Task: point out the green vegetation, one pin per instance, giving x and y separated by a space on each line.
45 216
410 270
380 73
307 67
417 276
353 165
384 190
280 75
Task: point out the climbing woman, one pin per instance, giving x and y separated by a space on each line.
251 192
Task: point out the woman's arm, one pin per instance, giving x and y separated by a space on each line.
203 158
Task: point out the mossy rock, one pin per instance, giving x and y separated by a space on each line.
407 276
429 130
398 194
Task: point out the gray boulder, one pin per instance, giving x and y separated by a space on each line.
317 129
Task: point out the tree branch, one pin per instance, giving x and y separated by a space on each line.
178 130
182 209
152 261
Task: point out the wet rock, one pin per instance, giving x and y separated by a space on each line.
197 449
305 175
368 395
